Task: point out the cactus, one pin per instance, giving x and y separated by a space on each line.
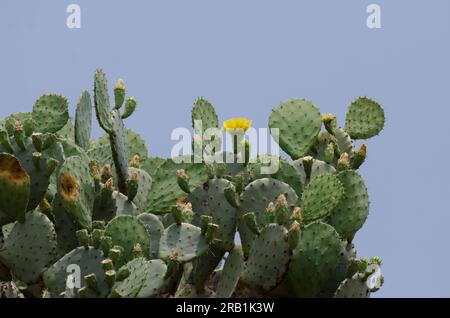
117 222
83 120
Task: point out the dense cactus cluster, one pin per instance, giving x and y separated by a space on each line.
101 218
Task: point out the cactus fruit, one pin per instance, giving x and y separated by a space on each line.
108 220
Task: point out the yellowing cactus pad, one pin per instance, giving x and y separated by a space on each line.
70 187
11 171
14 189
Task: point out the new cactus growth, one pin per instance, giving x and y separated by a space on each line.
109 220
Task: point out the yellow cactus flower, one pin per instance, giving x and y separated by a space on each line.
235 125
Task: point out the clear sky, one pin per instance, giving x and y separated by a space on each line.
246 57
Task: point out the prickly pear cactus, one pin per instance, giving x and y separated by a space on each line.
85 218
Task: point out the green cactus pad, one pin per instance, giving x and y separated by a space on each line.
204 266
83 120
351 213
65 227
165 190
209 199
101 100
14 189
318 168
314 260
255 198
155 229
151 164
135 144
204 111
348 253
285 172
119 149
8 122
321 196
106 210
133 141
319 148
299 122
89 262
268 258
30 247
182 243
50 113
344 142
76 187
69 149
231 273
144 186
365 118
353 288
127 231
130 286
67 131
102 154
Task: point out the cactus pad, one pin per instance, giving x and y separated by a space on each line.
151 164
133 141
144 186
351 213
76 188
50 113
165 190
285 172
268 259
231 273
204 111
123 206
89 262
365 118
314 260
14 189
30 247
353 287
255 198
83 120
343 140
209 199
8 123
155 229
127 231
65 227
39 176
182 243
318 168
321 196
155 279
299 122
101 99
